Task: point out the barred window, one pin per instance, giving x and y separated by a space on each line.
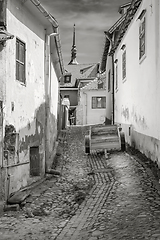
98 102
20 61
142 38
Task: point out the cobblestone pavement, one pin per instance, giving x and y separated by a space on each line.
123 203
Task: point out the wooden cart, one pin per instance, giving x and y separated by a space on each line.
106 138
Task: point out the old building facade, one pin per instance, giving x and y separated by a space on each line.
133 54
31 67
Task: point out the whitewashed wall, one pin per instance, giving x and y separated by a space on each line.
137 99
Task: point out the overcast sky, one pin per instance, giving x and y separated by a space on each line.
91 17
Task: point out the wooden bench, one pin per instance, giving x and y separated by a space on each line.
106 138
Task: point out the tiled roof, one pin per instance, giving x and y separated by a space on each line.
93 85
128 18
120 27
80 71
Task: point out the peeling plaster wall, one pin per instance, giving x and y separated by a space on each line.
52 109
2 97
137 99
27 105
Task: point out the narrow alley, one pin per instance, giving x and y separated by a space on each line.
94 198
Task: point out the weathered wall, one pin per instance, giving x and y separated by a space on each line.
137 99
51 117
30 110
2 90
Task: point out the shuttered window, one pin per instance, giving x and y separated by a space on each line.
98 102
142 38
124 65
20 61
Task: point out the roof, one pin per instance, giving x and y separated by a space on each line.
119 29
124 6
49 17
93 85
107 42
128 18
80 71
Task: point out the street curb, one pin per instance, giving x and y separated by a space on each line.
155 182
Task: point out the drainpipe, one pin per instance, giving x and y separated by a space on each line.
109 37
112 56
55 26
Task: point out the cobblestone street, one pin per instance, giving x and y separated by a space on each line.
95 198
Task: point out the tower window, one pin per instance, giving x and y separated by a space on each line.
67 79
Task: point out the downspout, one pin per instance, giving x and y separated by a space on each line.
112 56
55 25
109 37
55 33
86 107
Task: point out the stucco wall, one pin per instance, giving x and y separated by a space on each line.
137 99
81 107
93 116
31 108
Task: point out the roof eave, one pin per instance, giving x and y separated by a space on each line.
45 13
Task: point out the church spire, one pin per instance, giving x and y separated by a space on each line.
74 49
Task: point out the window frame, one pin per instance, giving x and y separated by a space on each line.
95 102
67 76
124 72
20 61
142 38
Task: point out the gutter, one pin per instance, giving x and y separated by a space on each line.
55 25
46 14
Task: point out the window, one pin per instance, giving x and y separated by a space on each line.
124 65
116 76
142 38
20 61
109 80
67 79
98 102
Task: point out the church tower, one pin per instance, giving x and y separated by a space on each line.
74 49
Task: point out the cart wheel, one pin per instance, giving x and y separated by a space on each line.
123 144
87 144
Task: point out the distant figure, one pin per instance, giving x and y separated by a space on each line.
71 119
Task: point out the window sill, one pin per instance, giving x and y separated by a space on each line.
23 84
142 58
124 80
